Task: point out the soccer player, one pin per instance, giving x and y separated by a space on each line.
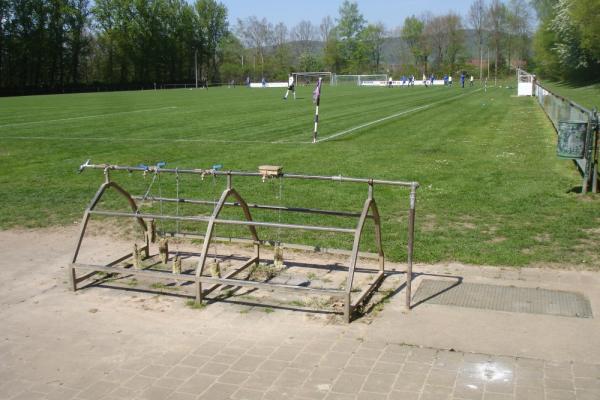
471 81
403 80
390 81
450 80
264 82
291 86
462 80
431 78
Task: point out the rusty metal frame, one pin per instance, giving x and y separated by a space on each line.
369 211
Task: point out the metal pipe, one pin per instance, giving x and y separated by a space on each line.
285 245
154 216
339 178
256 206
225 221
270 286
287 226
411 237
595 153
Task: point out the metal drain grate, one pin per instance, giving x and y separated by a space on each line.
503 298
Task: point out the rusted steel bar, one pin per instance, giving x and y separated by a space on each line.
233 273
270 286
369 289
86 217
112 263
138 272
348 308
153 169
369 211
287 226
293 246
225 221
410 245
207 240
154 216
255 206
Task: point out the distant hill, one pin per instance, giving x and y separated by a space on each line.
394 50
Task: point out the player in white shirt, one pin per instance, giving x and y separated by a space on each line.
291 86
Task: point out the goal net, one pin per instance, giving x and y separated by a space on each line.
308 78
177 85
357 79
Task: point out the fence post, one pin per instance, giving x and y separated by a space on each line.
589 153
595 133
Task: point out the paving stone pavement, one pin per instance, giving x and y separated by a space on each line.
246 360
108 344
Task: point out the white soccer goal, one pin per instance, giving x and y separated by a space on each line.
302 78
177 85
525 83
357 79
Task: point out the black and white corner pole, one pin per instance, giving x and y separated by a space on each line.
317 101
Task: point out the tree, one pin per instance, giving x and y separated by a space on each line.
325 28
350 21
350 24
212 19
282 54
257 34
232 66
303 33
412 35
496 22
371 42
435 32
78 20
477 22
517 36
568 47
308 62
586 15
455 35
332 54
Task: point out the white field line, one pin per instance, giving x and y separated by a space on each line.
148 140
377 121
85 117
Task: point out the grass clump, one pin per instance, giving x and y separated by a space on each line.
195 305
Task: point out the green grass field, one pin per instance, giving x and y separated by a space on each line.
492 189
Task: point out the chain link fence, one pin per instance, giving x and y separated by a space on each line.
559 110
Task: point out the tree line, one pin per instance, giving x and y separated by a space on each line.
567 42
58 43
68 43
428 43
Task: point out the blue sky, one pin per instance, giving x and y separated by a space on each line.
390 12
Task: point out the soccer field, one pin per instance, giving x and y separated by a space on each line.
492 190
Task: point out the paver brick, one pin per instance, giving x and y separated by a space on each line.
219 391
379 383
348 383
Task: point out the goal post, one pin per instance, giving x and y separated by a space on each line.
525 83
357 79
312 77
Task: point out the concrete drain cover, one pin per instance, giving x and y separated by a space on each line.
503 298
